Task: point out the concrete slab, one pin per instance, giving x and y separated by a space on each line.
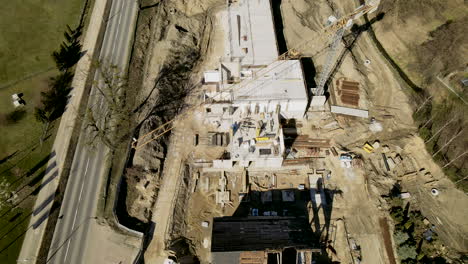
251 35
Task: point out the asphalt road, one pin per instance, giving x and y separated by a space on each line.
78 209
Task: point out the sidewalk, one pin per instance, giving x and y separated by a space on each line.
38 222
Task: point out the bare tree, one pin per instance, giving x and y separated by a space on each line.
109 118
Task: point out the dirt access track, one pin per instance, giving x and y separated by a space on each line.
170 28
174 44
385 94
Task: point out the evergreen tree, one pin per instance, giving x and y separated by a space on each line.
70 50
55 99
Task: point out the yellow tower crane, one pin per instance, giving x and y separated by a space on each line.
335 28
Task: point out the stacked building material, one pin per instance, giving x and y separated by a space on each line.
308 152
214 139
349 92
298 161
303 141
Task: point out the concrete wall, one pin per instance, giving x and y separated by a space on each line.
288 109
267 163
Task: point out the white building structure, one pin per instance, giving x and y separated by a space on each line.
258 141
250 76
280 85
250 33
252 90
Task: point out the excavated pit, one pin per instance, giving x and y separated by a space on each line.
171 41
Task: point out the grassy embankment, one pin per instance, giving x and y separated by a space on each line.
418 66
442 120
416 242
31 31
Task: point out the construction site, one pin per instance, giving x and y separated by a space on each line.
272 160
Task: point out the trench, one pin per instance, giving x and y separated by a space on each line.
124 218
121 213
179 72
307 63
279 27
120 207
169 100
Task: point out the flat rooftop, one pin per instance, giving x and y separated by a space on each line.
251 32
281 80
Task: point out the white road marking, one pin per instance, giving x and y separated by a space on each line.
118 31
76 211
114 42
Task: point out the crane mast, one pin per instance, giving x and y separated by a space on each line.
329 62
338 27
335 29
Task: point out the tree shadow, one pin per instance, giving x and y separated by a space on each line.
26 217
3 160
43 204
31 183
34 181
48 180
29 149
33 193
34 226
172 86
36 167
41 163
15 217
16 116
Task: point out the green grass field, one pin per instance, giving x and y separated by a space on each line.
20 181
30 31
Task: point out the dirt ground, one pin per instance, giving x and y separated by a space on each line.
449 209
384 96
174 44
358 208
359 211
425 39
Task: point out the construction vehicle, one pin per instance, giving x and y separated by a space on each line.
335 28
368 147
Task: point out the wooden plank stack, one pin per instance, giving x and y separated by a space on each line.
303 141
349 92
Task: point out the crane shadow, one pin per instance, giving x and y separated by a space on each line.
34 226
32 193
350 41
314 204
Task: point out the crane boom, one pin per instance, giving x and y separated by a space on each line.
336 28
339 26
329 61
